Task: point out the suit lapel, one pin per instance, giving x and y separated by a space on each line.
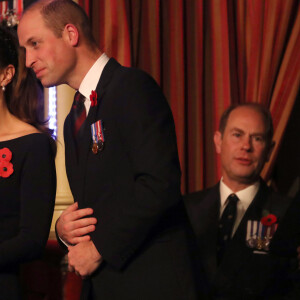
70 143
95 114
71 159
207 230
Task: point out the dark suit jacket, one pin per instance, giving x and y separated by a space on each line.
243 273
287 237
133 185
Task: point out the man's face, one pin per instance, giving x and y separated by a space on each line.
243 147
51 58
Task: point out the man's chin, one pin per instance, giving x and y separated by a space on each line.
47 84
248 178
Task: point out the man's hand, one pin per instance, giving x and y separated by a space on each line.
84 258
73 226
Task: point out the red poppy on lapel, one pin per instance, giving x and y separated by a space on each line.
268 220
93 98
5 154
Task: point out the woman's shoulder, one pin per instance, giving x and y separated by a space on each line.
18 133
18 130
27 137
26 129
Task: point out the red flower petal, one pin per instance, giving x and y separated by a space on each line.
5 154
268 220
6 169
93 98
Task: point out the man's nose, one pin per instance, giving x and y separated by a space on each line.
29 59
246 143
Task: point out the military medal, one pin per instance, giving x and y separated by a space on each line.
266 243
97 136
95 148
259 235
251 234
100 145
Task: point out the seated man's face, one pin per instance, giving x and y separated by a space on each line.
243 146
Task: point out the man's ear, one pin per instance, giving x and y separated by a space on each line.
270 150
71 33
218 141
7 75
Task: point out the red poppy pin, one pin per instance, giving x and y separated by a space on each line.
5 154
6 167
93 98
268 220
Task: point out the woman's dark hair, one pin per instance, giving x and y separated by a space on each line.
8 56
23 96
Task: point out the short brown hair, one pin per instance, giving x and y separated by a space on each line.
267 118
58 13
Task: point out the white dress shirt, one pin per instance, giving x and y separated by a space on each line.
91 79
245 196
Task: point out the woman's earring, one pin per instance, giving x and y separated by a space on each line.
3 88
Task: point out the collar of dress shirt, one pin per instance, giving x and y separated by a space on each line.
91 79
245 196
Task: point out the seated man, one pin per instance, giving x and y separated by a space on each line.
234 221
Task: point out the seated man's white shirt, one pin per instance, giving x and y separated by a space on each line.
245 196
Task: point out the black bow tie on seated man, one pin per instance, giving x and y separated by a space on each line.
78 113
226 224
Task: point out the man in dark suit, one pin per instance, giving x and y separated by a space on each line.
125 233
233 249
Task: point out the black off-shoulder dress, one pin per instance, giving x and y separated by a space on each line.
27 196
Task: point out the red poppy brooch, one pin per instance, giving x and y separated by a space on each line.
268 220
6 167
93 98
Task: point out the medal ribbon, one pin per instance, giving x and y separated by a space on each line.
97 132
3 9
260 230
249 230
16 5
94 133
100 134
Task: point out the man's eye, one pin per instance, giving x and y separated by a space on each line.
34 44
258 138
236 134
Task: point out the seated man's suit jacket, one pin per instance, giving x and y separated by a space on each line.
133 186
287 237
244 272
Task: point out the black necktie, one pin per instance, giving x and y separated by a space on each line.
79 113
226 224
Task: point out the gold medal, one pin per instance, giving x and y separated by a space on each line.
259 244
266 243
97 136
251 242
95 148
